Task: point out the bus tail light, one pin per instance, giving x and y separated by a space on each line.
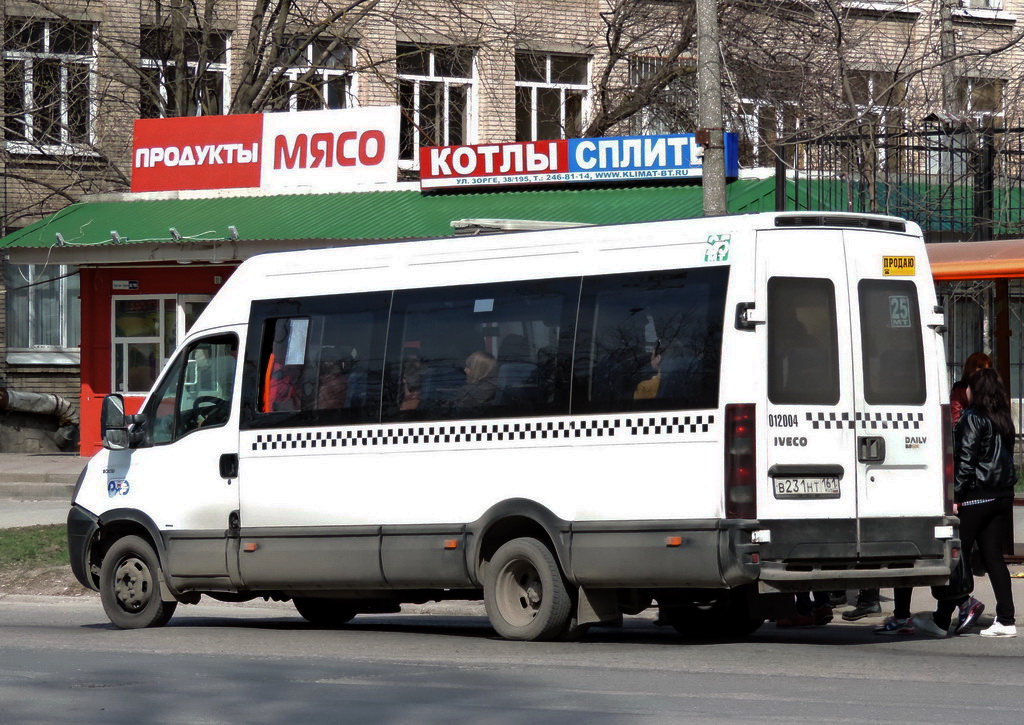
740 462
947 459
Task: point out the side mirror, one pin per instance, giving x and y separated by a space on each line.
114 423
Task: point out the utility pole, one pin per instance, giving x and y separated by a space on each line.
709 99
947 51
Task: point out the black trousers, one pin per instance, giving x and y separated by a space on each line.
988 524
901 600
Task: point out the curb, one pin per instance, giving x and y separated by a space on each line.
32 491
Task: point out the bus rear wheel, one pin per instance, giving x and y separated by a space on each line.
525 595
325 612
130 586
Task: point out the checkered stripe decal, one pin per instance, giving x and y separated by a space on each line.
829 421
482 432
866 421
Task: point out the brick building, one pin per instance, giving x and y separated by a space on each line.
77 74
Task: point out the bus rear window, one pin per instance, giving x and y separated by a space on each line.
890 332
803 341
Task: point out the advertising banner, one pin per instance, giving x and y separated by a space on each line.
562 161
324 150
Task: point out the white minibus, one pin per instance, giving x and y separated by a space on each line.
703 415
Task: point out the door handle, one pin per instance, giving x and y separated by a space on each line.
870 449
229 465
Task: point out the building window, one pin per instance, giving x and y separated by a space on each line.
316 77
146 331
760 124
435 91
877 98
43 312
172 83
668 110
48 76
551 93
987 4
979 97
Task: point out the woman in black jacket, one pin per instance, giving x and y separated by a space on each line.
984 477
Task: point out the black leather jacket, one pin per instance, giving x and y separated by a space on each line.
983 463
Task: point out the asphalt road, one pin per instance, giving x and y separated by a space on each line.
60 661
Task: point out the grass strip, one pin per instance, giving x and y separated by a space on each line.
32 547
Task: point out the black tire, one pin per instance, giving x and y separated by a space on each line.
525 595
130 586
325 612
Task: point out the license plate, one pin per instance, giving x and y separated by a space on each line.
806 487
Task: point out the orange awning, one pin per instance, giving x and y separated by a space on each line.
977 260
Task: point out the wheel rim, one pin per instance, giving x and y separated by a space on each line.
133 584
520 593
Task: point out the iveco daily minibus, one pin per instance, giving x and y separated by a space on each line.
703 415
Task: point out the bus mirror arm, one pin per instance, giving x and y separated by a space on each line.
136 429
747 316
937 320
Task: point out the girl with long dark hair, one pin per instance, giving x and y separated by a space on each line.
984 477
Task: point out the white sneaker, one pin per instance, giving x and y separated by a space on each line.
927 626
1000 630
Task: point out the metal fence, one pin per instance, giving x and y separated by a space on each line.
960 180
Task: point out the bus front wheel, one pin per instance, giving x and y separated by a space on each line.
525 595
130 586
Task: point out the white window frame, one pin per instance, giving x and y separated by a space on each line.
880 111
644 122
327 74
224 68
562 88
159 339
748 112
970 82
28 58
470 83
37 354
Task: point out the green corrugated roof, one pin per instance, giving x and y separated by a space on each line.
372 215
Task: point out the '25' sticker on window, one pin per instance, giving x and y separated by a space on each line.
899 311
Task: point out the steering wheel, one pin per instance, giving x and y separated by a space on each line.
210 410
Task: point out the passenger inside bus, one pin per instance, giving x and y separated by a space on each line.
648 389
333 385
481 388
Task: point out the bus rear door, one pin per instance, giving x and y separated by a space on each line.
896 379
809 464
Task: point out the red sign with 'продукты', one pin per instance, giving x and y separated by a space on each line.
321 150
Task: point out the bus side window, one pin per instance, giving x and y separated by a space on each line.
480 351
320 364
650 341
